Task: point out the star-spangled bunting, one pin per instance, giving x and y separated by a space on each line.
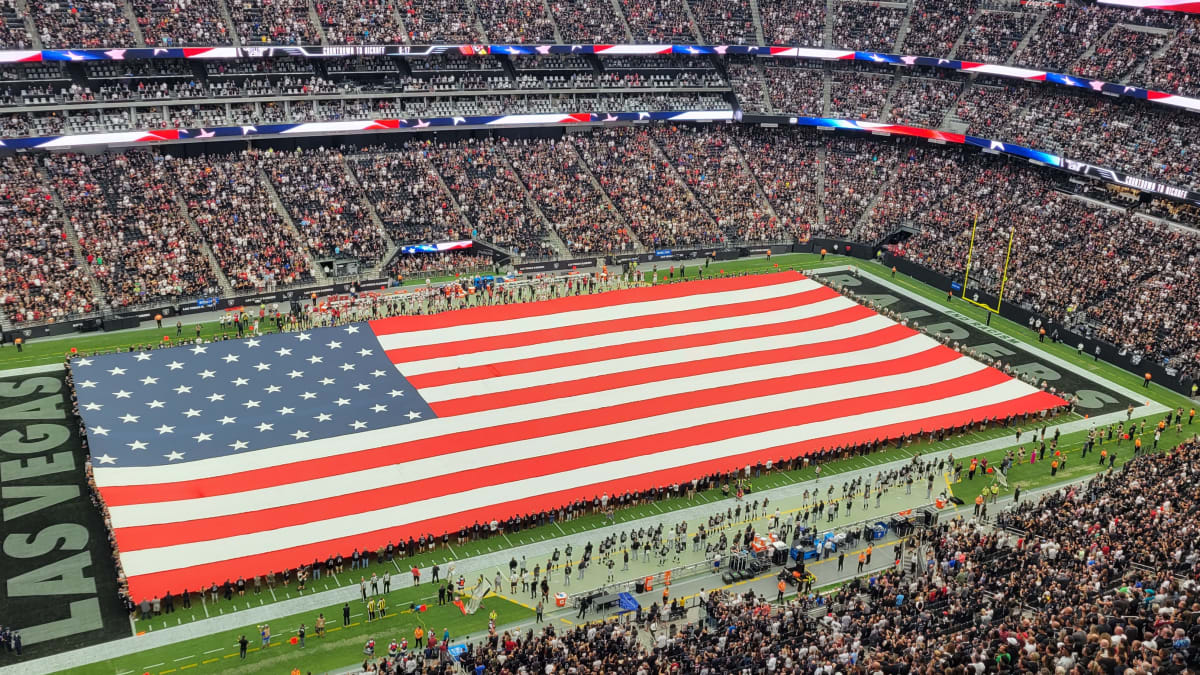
222 399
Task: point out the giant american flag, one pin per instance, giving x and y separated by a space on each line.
236 458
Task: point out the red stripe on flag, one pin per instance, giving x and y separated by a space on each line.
516 431
149 585
170 534
473 315
657 346
629 378
491 343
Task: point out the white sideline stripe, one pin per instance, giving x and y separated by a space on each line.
150 561
585 316
439 465
615 367
506 354
442 426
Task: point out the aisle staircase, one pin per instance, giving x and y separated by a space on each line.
579 161
392 246
317 271
131 19
227 16
81 262
551 237
620 12
222 280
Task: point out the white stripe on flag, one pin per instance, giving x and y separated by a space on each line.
579 317
492 455
616 366
442 426
552 348
166 558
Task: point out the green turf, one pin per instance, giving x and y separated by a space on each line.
1027 476
36 352
1023 474
341 646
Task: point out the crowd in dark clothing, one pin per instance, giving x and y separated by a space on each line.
1084 580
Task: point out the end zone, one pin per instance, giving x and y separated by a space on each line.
60 586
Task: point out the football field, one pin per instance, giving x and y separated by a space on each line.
61 586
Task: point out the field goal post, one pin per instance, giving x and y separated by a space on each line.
1003 279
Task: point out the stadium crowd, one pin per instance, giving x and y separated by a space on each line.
251 243
1123 276
1098 578
39 276
562 187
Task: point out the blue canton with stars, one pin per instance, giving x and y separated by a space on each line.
221 399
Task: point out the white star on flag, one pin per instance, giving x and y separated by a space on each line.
174 365
239 445
230 358
121 394
87 384
395 392
300 434
227 420
352 329
412 415
201 437
107 459
260 366
149 380
136 445
362 386
272 389
334 344
206 374
129 419
251 403
253 342
164 429
191 412
378 373
283 351
199 349
183 389
240 382
93 406
316 359
356 425
83 362
303 337
378 407
142 356
326 380
296 373
364 352
342 401
346 366
265 427
174 455
323 417
308 395
116 371
286 410
154 404
99 431
216 397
